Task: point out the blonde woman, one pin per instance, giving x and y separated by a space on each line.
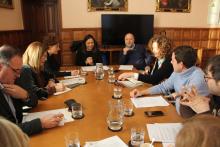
11 135
161 47
32 77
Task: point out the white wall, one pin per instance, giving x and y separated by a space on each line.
75 14
11 19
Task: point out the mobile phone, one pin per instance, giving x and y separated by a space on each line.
153 113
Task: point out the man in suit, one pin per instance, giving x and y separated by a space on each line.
13 97
134 54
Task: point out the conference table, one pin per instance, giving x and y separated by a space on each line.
94 97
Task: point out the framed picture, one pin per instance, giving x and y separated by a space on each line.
107 5
6 4
173 6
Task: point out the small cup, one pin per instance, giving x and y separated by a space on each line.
72 140
137 136
111 78
128 107
110 71
77 111
117 92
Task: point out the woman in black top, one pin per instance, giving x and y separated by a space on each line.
89 53
52 64
161 47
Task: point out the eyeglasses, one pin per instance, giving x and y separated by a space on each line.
16 71
207 78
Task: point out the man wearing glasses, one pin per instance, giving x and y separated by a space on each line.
201 104
13 97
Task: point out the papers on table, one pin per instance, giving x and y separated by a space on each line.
131 83
168 144
61 92
64 111
126 67
113 141
92 68
70 77
68 82
163 132
149 101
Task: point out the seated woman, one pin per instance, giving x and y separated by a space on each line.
51 65
33 77
162 69
89 53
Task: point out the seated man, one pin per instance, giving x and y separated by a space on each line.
185 74
201 104
134 54
12 97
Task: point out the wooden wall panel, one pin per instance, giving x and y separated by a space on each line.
17 38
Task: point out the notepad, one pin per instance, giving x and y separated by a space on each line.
131 83
142 102
163 132
64 111
126 67
79 80
92 68
113 141
61 92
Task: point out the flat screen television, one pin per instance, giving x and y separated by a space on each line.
115 26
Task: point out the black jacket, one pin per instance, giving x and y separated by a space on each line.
31 127
52 67
139 57
158 74
82 55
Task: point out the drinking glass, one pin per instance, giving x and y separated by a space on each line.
137 136
128 107
72 140
117 92
77 111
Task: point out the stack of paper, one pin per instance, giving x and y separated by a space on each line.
61 92
163 132
113 141
141 102
92 68
126 67
68 82
131 83
64 111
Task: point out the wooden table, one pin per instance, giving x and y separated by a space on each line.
94 97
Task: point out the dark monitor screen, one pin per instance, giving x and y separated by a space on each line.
115 26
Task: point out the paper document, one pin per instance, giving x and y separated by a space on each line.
79 80
92 68
126 67
168 144
70 77
113 141
61 92
64 111
164 132
131 83
142 102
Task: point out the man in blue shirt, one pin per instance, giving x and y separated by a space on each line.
134 54
185 74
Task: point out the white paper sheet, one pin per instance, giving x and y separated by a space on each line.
163 132
168 144
142 102
92 68
113 141
71 77
64 111
126 67
61 92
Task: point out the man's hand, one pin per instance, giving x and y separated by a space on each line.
60 87
198 103
51 121
135 93
125 50
15 91
125 75
89 61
